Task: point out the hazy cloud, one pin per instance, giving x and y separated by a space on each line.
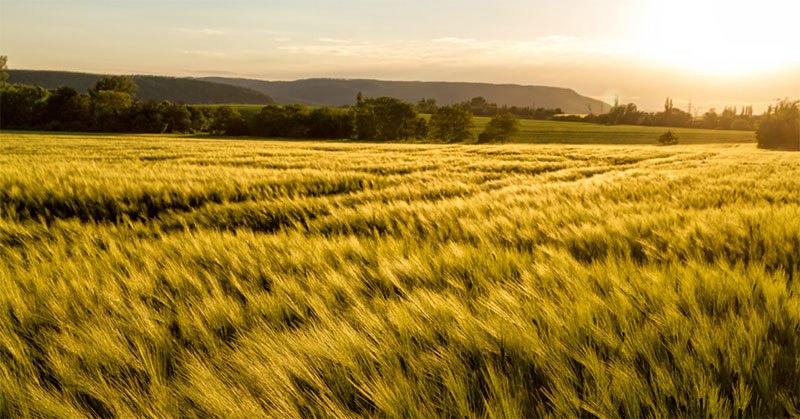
334 40
207 54
465 50
203 31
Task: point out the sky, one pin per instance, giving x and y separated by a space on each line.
711 53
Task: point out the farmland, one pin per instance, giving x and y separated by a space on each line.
176 276
545 132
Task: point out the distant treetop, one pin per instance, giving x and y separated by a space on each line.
122 84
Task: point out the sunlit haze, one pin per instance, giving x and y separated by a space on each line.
731 39
709 52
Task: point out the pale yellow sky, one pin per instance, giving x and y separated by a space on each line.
711 52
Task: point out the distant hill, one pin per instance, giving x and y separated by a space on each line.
158 88
319 92
337 92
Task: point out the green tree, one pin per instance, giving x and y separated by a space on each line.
727 117
384 119
668 138
501 128
450 124
421 129
426 106
122 84
109 110
281 121
160 117
228 121
479 106
66 109
146 117
329 123
779 127
21 106
711 119
200 119
622 114
111 100
364 121
176 117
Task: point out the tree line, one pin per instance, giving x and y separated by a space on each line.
777 128
110 106
391 119
731 118
479 106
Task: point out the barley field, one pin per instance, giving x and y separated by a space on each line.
157 276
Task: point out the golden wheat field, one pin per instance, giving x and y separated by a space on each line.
152 276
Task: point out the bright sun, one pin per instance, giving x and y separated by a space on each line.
723 38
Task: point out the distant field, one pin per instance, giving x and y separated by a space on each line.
544 132
163 276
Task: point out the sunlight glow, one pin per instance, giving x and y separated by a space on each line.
732 38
